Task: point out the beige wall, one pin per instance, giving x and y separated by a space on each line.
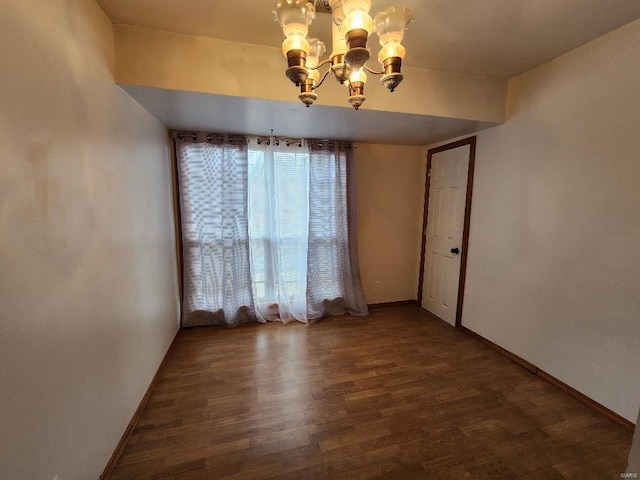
88 285
188 63
554 265
389 185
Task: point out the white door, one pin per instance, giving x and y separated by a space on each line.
445 226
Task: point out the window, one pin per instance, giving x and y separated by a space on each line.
265 232
278 223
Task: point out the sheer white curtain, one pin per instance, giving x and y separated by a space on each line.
278 231
268 231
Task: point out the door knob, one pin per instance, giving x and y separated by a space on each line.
455 250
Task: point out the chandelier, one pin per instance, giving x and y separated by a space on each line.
351 28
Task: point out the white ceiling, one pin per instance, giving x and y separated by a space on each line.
495 38
202 111
483 37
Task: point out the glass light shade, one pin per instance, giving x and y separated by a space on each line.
358 76
294 16
295 42
350 6
358 20
391 23
335 5
391 49
337 38
316 50
314 75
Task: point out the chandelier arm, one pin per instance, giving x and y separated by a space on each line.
322 79
324 62
373 71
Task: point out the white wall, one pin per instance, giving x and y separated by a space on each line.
88 289
389 185
554 255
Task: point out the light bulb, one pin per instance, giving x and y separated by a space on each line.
295 42
391 23
358 20
358 76
391 49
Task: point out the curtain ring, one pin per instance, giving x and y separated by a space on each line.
182 136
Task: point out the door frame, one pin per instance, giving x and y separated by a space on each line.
471 141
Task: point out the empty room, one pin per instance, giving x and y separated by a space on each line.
328 239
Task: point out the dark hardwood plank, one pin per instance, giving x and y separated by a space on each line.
398 394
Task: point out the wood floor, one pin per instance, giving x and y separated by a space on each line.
396 395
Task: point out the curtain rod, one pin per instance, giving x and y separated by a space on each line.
267 140
301 141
